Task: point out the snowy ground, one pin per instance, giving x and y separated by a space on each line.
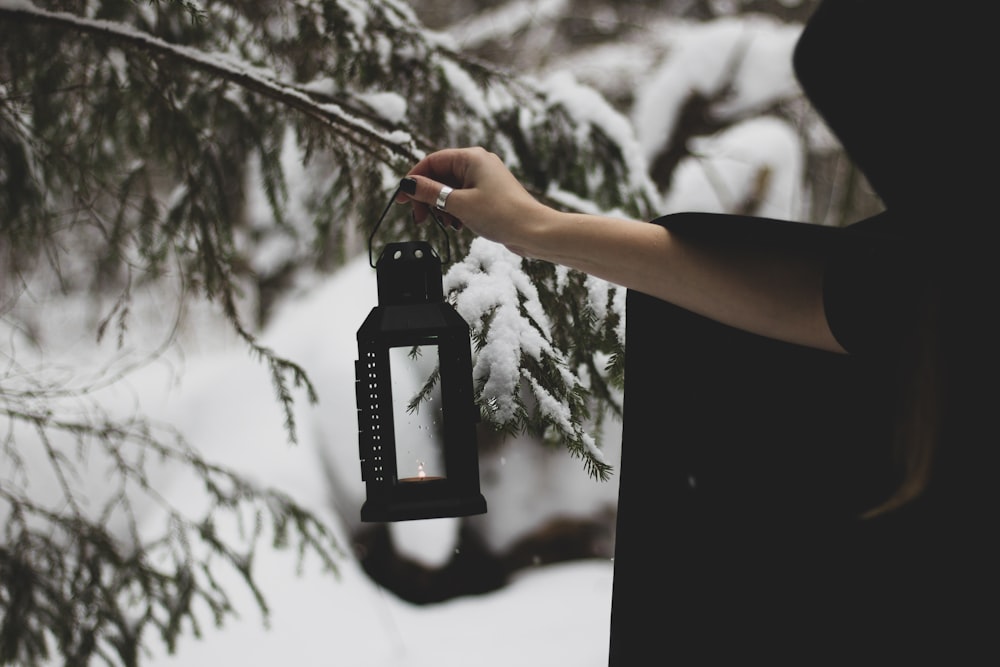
551 615
555 615
224 404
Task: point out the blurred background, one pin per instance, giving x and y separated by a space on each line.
185 258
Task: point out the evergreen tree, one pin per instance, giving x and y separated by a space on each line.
131 134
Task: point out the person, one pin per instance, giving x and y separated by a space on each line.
808 409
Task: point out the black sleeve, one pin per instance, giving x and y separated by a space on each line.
873 277
871 287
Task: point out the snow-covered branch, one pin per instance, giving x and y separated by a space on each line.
392 144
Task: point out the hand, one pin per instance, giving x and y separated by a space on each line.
487 198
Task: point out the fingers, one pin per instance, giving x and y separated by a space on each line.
450 165
467 170
446 219
425 193
427 180
455 167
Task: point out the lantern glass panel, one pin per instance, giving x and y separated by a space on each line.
417 424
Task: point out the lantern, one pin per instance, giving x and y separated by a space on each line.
432 470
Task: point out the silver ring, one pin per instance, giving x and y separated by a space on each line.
443 197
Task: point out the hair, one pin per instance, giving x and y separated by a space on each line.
920 409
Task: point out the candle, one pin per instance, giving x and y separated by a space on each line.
422 475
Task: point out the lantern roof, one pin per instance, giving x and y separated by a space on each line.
409 273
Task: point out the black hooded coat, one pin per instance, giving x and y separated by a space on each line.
748 462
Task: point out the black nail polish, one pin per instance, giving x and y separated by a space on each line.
408 185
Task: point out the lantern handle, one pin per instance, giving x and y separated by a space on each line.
399 188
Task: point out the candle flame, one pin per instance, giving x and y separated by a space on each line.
420 470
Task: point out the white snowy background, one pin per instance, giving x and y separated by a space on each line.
223 402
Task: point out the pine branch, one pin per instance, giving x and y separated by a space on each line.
69 584
344 124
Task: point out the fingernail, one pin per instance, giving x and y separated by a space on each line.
408 185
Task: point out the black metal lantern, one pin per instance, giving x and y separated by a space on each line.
431 471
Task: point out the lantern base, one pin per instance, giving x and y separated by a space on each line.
412 510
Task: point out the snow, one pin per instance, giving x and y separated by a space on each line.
743 153
17 4
390 106
750 58
504 20
555 614
223 402
590 108
492 281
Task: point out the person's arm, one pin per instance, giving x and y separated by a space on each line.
774 293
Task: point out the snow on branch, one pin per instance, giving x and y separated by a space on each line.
241 73
195 98
515 350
